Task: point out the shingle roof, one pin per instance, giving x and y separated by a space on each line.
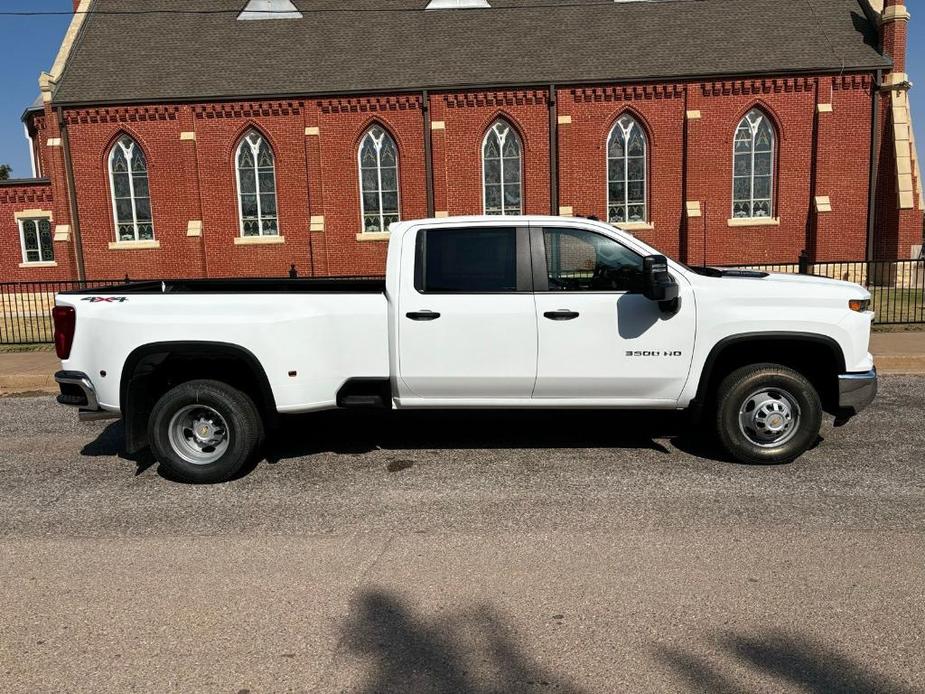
342 46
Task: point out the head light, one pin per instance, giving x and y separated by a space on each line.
859 305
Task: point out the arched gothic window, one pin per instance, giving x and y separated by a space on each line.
378 163
502 164
256 174
754 152
626 172
128 183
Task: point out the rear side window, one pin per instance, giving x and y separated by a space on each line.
466 261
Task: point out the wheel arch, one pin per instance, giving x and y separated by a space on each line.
139 388
801 351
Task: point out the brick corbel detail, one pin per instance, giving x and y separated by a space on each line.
369 105
766 86
620 93
526 97
250 109
121 115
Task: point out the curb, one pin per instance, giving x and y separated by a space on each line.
16 384
900 364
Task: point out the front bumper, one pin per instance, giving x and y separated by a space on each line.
77 391
856 391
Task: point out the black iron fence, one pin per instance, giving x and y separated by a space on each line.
897 287
25 308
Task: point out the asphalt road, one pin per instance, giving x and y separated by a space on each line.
477 553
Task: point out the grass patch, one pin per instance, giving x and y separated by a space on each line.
898 305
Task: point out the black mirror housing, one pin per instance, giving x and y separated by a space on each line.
658 284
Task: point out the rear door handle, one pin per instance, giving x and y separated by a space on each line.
423 315
562 314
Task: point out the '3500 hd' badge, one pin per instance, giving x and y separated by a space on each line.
632 353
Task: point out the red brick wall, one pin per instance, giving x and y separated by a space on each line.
16 198
583 153
458 147
315 143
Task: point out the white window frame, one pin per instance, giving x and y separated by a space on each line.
753 127
626 158
501 139
38 240
377 144
255 149
129 154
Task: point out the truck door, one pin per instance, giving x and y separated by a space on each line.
466 314
599 337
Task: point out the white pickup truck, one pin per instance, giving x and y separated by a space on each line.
474 312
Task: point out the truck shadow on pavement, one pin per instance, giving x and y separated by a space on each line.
356 433
360 432
793 660
469 651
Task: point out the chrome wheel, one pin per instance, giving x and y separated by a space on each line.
198 434
769 417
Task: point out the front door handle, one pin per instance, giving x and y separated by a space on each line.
562 314
423 315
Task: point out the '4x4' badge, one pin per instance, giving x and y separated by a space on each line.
107 299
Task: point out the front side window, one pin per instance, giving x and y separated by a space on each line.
578 260
378 158
466 260
131 200
256 173
753 167
35 235
626 172
501 170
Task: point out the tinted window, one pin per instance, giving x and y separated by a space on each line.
466 260
584 261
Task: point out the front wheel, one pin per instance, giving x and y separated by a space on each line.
767 414
204 431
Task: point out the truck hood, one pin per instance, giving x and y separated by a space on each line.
822 282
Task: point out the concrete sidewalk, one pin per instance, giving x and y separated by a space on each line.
25 372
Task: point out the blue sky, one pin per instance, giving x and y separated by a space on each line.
30 44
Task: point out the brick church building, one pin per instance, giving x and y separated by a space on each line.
178 138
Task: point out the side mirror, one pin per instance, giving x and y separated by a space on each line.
658 284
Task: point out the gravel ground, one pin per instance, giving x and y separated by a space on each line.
480 552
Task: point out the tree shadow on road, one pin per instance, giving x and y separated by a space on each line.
467 652
792 659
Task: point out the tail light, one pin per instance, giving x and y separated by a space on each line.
65 319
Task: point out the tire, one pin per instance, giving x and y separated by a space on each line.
767 414
229 433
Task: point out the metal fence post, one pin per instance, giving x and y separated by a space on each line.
804 262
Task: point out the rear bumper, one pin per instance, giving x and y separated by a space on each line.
77 391
857 390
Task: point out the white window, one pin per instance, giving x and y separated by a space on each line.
35 237
501 170
128 182
626 172
754 152
378 162
256 174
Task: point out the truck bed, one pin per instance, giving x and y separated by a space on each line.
272 285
